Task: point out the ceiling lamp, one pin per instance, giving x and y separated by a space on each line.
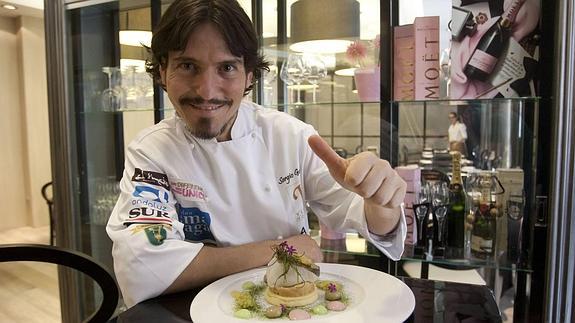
323 26
350 71
135 28
9 6
136 37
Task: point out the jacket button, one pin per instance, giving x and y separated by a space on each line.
267 188
253 135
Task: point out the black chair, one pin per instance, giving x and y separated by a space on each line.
71 259
50 202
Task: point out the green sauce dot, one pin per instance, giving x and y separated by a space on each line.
248 285
243 314
319 310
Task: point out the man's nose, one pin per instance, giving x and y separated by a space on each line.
207 85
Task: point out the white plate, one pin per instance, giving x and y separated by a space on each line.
375 297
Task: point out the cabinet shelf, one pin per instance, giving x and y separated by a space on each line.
131 110
356 246
456 102
443 102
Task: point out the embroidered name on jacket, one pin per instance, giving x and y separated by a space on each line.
287 179
196 224
149 177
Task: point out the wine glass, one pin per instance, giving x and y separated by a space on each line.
269 78
132 89
292 72
421 207
314 70
440 198
146 86
112 98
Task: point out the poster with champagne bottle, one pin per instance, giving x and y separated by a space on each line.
494 48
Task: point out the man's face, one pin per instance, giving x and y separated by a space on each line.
206 83
452 118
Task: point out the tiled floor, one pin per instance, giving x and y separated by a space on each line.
28 290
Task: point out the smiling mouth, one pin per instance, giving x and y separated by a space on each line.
206 107
199 104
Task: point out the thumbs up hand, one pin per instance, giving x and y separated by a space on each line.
370 177
365 174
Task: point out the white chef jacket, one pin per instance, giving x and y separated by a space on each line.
179 192
457 132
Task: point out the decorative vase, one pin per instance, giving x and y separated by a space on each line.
367 82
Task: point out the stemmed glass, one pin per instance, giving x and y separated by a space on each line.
132 90
421 208
113 98
292 72
314 70
146 86
440 200
269 78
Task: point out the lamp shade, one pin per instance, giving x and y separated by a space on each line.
323 26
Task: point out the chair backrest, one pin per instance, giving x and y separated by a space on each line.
48 197
71 259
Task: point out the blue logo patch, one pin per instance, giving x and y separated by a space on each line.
151 193
196 224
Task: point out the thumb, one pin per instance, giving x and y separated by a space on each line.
336 165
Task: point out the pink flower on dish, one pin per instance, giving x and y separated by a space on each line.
332 287
290 250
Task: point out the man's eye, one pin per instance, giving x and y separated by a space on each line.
228 68
187 66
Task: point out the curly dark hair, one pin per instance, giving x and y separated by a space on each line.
183 16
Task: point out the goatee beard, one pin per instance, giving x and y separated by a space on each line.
202 130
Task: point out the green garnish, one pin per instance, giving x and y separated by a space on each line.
288 256
246 299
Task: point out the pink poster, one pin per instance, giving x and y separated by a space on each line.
494 49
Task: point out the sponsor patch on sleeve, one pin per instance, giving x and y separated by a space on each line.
150 177
147 215
156 233
188 191
151 193
196 224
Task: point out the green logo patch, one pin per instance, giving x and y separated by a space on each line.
156 234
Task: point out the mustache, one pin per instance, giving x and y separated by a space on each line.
196 100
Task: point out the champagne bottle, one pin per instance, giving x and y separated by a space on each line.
456 213
484 227
492 44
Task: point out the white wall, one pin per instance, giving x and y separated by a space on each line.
34 102
12 174
24 137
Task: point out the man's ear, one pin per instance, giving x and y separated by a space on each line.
249 79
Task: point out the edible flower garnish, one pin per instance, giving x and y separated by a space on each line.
332 287
288 256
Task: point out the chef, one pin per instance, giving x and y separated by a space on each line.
205 194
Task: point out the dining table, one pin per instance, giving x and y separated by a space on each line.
435 301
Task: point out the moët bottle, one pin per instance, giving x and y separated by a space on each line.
491 45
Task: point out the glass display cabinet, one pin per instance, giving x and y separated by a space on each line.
105 98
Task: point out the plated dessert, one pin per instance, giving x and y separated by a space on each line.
291 288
